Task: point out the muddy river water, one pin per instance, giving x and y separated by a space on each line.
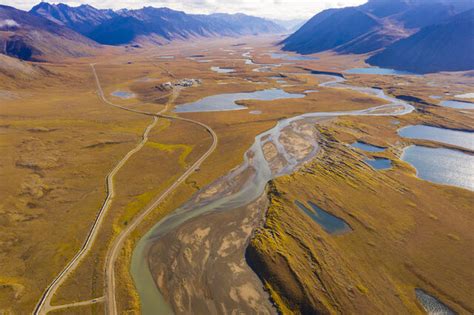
192 261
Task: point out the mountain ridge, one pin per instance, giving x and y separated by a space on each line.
392 30
392 21
106 26
30 37
446 46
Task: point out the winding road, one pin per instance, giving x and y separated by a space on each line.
44 304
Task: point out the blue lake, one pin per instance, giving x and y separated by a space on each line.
443 166
380 71
330 223
457 104
224 102
123 94
367 147
292 57
454 137
379 163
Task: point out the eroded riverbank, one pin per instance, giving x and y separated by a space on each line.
276 152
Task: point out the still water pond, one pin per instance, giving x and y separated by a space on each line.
375 70
463 139
457 104
224 102
330 223
443 166
222 70
432 305
123 94
379 163
367 147
466 95
291 57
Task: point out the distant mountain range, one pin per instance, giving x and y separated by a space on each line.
415 35
290 25
53 30
155 24
410 28
82 19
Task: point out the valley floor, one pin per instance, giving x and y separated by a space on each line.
60 141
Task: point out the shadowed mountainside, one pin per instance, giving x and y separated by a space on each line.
29 37
151 24
444 47
370 27
82 19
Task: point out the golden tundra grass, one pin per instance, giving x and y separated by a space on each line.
59 141
405 231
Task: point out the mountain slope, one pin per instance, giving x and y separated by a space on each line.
240 24
444 47
82 19
371 26
334 28
290 25
30 37
151 24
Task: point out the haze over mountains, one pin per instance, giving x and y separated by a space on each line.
155 24
60 30
415 35
380 23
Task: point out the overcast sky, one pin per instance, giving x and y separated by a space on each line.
280 9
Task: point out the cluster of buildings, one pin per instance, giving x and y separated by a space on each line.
183 83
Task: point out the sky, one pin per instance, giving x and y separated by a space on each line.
274 9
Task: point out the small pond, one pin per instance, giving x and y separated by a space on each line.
457 104
379 163
463 139
224 102
330 223
443 166
291 57
222 70
367 147
376 70
467 95
123 94
432 305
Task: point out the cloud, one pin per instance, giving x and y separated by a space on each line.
8 23
281 9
